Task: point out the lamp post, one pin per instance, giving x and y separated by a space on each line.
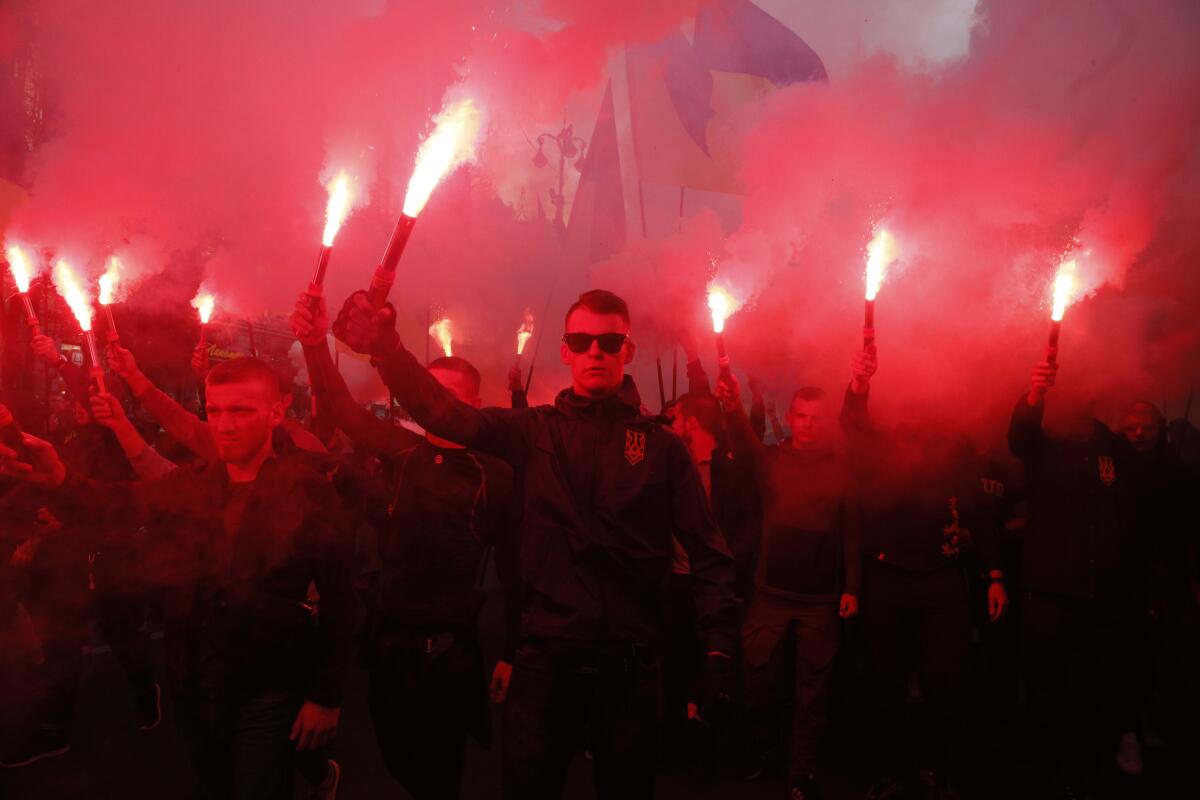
569 146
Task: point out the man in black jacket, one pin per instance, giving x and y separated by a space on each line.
235 545
605 488
1082 579
930 518
442 508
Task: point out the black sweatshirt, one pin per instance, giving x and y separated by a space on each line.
604 489
927 499
442 506
236 614
810 549
1082 540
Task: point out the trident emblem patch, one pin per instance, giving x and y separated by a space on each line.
635 447
1108 471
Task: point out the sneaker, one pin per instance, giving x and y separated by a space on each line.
1129 755
805 789
40 743
148 707
327 790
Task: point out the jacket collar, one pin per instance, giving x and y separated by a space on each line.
625 403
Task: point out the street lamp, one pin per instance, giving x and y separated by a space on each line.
569 146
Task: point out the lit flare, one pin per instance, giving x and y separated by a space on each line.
453 142
443 331
1064 290
71 290
337 208
18 265
204 303
722 305
881 252
525 332
108 282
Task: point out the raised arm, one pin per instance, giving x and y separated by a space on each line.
363 428
499 431
1025 436
74 378
183 426
145 460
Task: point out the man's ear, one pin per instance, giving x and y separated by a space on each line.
690 424
277 413
564 353
630 349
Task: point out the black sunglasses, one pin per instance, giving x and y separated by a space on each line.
582 342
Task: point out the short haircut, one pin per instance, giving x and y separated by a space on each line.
459 365
807 394
704 408
600 301
243 370
1145 405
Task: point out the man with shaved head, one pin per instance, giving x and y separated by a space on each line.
234 544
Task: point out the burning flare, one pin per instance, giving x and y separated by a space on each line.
443 331
108 282
722 304
337 208
18 264
452 143
204 302
524 332
1064 290
68 286
881 252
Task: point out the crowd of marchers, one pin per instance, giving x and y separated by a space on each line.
666 579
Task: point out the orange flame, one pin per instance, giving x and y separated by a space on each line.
18 264
108 282
722 304
68 286
1064 290
443 331
452 143
204 303
337 208
524 332
881 252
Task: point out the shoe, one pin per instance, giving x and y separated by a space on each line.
148 707
1129 755
328 788
40 743
805 789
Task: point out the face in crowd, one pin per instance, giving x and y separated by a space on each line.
242 413
1142 426
596 346
809 419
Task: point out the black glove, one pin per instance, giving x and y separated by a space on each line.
365 329
716 690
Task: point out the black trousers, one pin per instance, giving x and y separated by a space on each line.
427 693
682 654
564 696
1079 671
240 749
916 623
815 631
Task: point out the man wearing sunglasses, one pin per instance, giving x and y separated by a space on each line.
604 489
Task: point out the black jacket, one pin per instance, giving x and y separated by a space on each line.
236 615
1081 541
929 502
603 490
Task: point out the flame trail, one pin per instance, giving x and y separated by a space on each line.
881 252
108 282
722 304
68 286
453 142
337 208
18 265
443 331
525 332
204 303
1064 290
